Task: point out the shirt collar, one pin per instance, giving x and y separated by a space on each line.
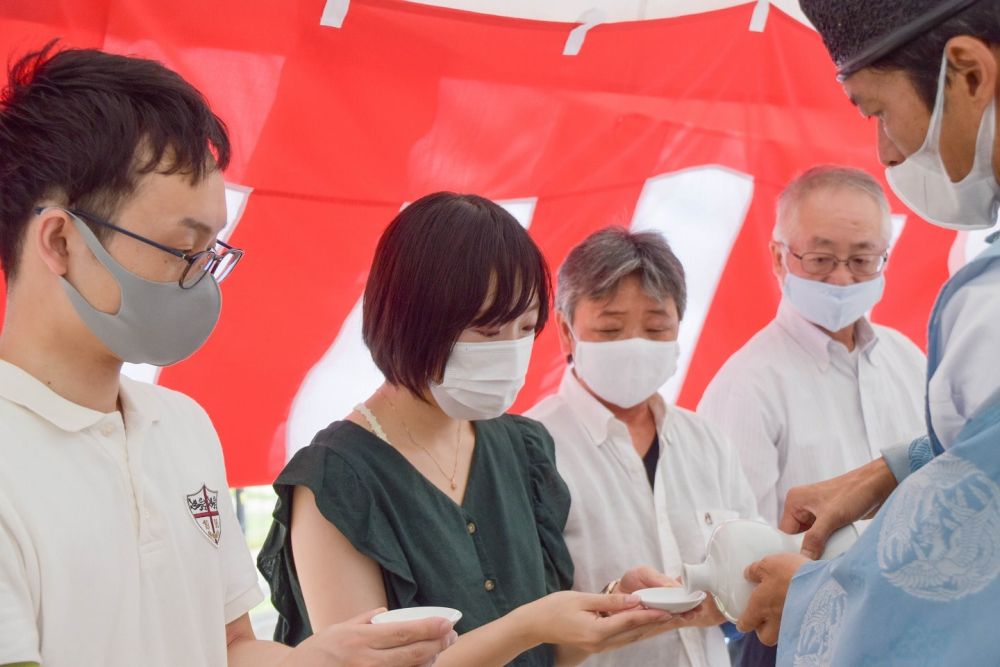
595 418
866 338
816 342
21 388
138 401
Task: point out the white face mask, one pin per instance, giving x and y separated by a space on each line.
625 372
922 182
481 380
832 307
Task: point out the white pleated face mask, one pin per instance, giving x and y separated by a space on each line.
481 380
625 372
922 182
832 307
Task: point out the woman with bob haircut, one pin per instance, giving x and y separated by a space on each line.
427 493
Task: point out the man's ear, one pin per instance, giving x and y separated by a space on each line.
777 260
50 231
973 68
566 343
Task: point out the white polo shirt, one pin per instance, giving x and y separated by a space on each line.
616 522
800 408
118 541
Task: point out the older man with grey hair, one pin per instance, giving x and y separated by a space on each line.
820 390
649 481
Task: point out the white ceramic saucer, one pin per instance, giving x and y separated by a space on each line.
417 614
675 600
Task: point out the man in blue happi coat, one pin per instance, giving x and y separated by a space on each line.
921 585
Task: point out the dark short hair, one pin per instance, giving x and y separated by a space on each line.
597 265
81 126
435 267
920 59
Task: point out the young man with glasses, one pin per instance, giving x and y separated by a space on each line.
820 390
118 542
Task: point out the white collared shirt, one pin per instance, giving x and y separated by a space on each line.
103 560
800 408
616 522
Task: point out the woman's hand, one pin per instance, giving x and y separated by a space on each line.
574 619
704 615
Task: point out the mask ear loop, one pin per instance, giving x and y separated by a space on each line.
984 148
932 140
576 341
103 257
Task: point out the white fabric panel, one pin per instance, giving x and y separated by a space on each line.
236 202
700 212
898 224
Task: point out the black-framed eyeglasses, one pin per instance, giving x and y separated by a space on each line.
199 264
823 263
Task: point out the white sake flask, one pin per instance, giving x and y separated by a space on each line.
736 544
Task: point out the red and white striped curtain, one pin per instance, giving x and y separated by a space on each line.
688 125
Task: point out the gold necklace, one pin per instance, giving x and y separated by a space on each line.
458 443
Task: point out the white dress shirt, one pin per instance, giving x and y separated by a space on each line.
800 408
118 542
969 372
616 522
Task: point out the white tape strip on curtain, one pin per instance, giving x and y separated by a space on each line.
334 13
759 18
570 11
588 20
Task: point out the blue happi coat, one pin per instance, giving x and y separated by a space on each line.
920 587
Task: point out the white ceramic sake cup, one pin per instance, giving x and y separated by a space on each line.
417 614
676 600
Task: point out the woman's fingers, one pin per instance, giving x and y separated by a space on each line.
608 604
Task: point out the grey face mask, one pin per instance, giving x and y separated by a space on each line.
156 323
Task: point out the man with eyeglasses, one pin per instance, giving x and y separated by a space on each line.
118 541
820 390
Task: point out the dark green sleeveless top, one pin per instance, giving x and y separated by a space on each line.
503 547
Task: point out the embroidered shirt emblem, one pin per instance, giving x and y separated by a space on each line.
203 505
